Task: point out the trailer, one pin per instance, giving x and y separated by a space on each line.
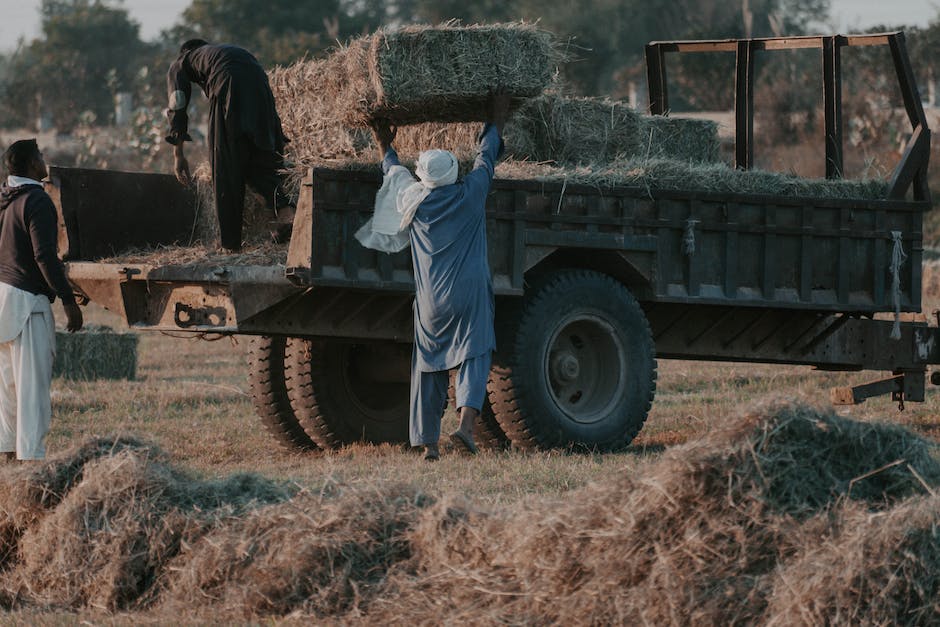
593 284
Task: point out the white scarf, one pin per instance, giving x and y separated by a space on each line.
17 181
435 168
399 197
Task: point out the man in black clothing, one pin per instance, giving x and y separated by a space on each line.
246 142
31 276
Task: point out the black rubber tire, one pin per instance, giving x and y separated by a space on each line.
335 405
601 401
486 430
269 393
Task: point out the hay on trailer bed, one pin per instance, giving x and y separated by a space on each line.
573 130
682 139
675 175
95 352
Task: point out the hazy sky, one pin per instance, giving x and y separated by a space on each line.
20 18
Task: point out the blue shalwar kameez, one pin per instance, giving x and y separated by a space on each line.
454 306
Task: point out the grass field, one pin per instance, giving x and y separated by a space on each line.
191 398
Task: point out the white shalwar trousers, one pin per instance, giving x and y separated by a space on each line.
25 372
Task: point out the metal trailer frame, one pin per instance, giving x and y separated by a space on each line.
912 169
777 280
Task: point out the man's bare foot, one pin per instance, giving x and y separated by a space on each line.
464 441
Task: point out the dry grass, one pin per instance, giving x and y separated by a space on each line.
706 534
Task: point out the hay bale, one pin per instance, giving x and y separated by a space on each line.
95 352
573 130
106 542
682 139
439 74
881 568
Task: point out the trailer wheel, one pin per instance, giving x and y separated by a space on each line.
269 393
576 366
339 399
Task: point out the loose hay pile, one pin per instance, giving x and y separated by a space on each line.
95 352
96 527
785 515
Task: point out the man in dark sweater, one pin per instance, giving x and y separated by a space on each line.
31 276
246 142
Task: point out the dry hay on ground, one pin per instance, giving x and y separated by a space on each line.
116 512
95 352
786 514
882 567
319 555
694 538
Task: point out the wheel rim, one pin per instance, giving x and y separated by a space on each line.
584 368
380 401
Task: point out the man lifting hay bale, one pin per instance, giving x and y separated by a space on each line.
445 222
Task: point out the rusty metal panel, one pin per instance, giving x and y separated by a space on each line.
105 212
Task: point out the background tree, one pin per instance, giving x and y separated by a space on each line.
88 51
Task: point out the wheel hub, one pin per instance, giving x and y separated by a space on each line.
566 367
586 365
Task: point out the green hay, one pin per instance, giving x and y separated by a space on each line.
672 175
574 130
442 73
681 139
95 352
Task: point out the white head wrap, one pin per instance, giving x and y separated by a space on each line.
399 197
435 168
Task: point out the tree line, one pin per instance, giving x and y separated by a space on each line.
89 50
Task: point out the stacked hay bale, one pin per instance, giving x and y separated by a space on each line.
573 130
682 139
417 77
95 352
434 84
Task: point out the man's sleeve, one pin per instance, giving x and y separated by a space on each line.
41 218
477 182
179 89
390 159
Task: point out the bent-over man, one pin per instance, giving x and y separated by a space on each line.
31 276
246 142
454 306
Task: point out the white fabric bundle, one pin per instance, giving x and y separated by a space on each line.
399 197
